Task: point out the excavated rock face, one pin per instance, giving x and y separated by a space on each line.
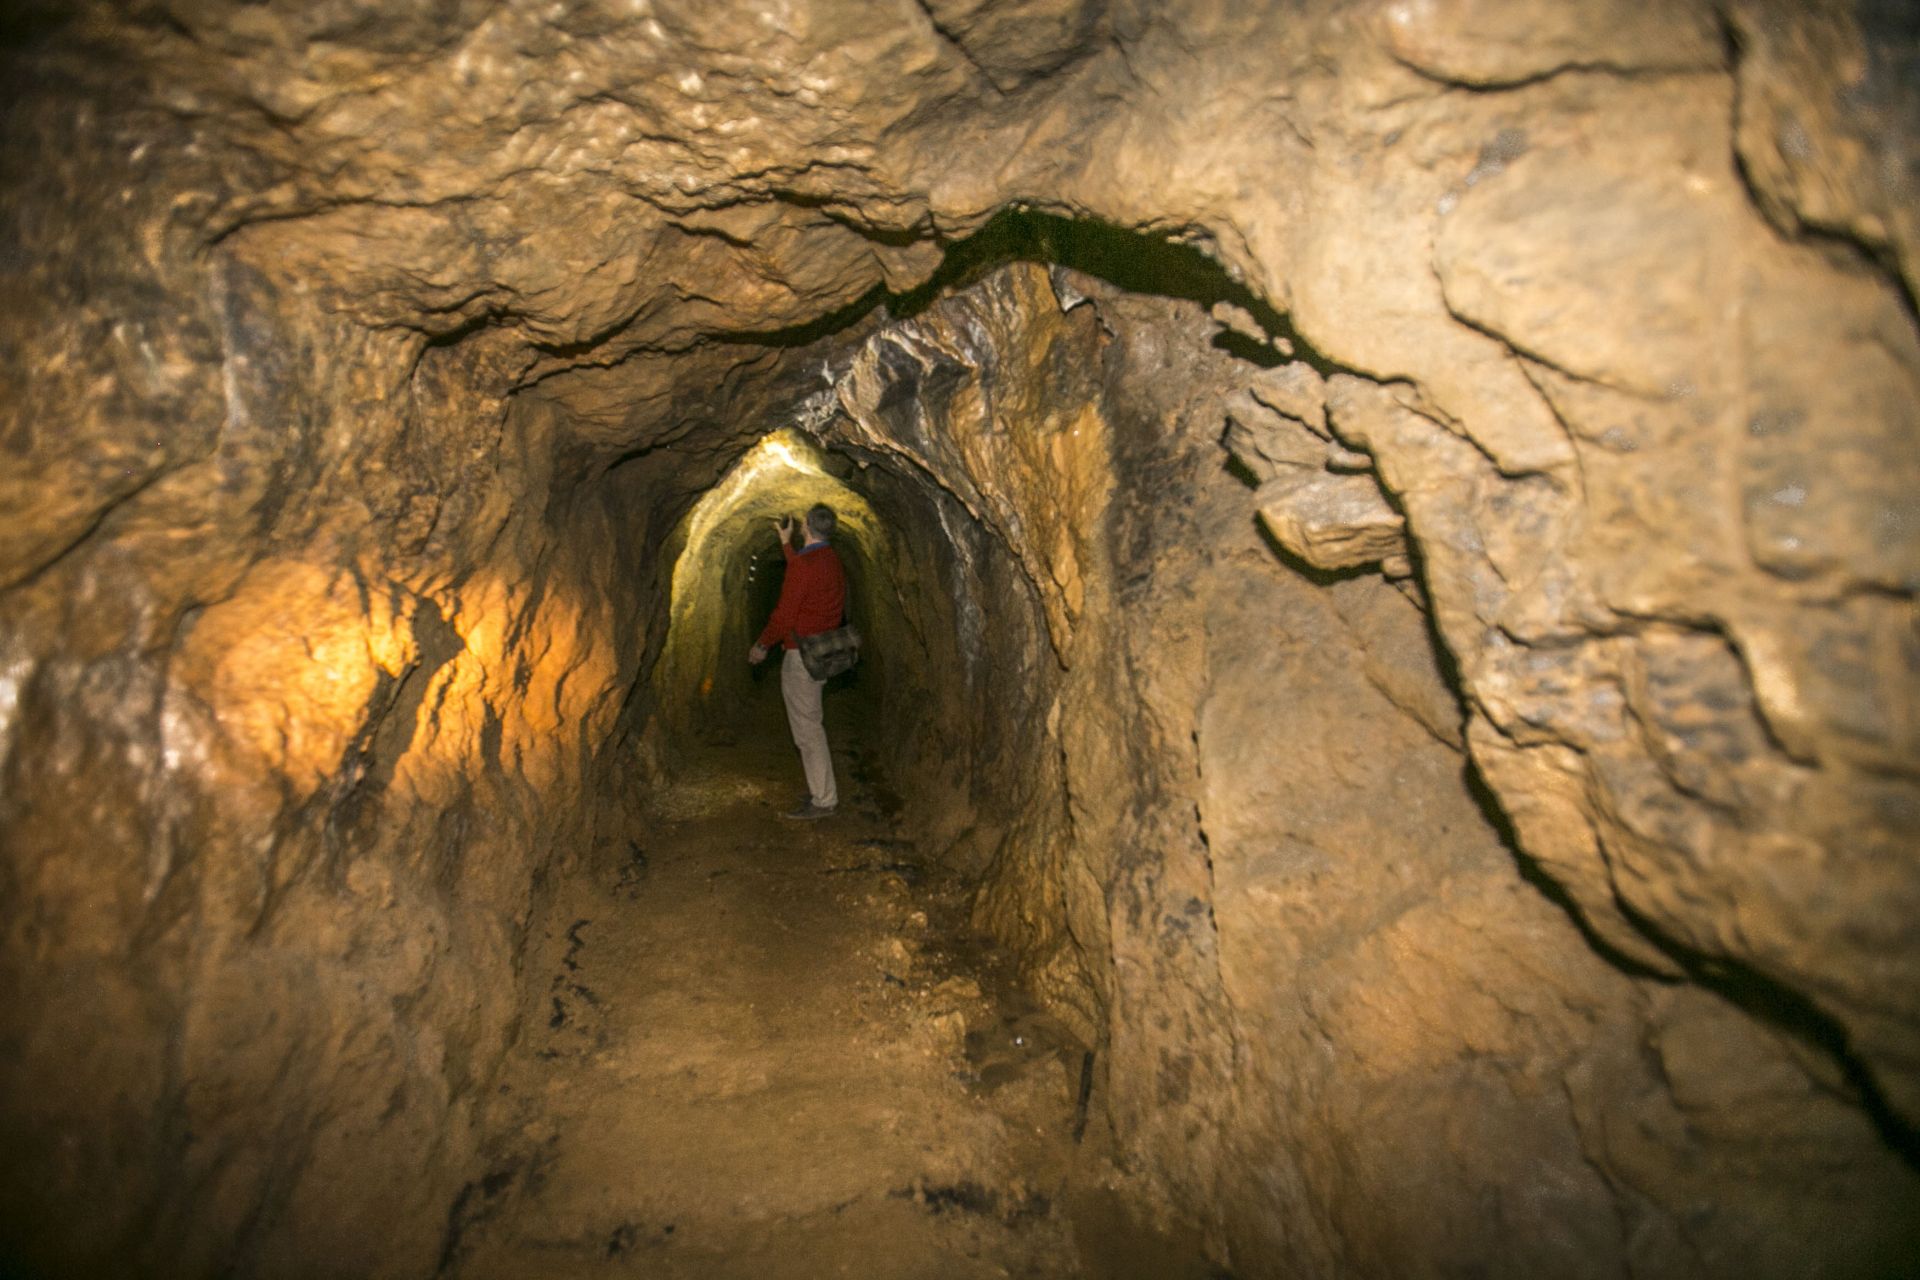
1422 669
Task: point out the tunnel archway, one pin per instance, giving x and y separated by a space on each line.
726 573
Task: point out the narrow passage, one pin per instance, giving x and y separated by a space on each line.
764 1052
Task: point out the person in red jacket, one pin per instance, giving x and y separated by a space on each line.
813 598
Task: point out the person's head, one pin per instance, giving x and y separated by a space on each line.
820 521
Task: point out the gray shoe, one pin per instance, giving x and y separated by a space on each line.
808 812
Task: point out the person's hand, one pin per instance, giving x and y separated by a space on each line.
757 654
786 528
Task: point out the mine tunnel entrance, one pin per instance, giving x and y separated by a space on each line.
821 1026
907 979
727 577
1073 453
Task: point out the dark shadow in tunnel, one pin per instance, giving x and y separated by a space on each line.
802 335
1776 1005
1130 260
27 23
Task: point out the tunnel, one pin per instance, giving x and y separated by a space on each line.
1386 738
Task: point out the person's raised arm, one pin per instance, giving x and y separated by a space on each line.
781 620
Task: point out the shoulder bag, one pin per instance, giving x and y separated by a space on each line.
827 653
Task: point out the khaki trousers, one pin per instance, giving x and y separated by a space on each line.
802 694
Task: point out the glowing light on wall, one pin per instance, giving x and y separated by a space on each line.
771 467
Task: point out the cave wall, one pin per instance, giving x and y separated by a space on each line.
1481 1062
298 706
1347 1025
319 603
996 396
965 676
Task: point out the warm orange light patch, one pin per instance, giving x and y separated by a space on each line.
283 677
534 670
286 666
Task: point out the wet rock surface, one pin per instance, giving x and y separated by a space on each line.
1389 539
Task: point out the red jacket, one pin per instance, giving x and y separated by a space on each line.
813 597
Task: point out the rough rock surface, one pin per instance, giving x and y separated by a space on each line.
365 362
1344 1028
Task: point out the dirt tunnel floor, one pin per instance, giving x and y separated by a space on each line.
764 1052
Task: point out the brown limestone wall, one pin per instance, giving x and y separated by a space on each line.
992 396
962 672
294 712
1343 1026
1556 256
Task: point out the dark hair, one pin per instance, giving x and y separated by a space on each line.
820 520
